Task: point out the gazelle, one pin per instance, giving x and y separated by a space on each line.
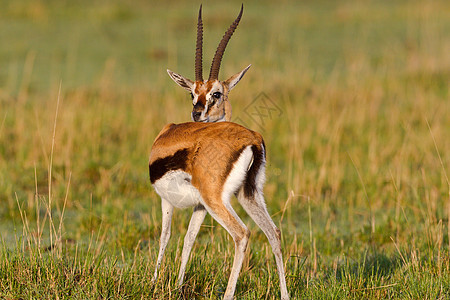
202 164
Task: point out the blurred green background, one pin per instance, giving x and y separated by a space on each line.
358 156
74 41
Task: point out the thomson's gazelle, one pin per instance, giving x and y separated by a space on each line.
202 164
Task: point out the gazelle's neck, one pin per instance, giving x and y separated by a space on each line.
227 116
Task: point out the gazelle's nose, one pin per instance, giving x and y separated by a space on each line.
196 115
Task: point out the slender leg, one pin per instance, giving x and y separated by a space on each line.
194 226
167 210
256 209
225 215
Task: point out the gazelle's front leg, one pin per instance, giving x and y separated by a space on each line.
167 210
194 226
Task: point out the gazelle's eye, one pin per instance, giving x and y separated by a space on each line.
192 96
217 95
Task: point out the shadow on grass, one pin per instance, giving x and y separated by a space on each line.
374 264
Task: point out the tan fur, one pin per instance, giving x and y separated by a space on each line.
227 110
208 142
211 147
202 89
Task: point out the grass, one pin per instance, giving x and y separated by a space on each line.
358 147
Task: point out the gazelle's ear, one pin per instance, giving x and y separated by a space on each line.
233 80
180 80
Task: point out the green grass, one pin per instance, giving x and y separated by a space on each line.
358 153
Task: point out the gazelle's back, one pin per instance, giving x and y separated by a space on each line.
200 147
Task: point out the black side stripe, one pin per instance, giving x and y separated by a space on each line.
163 165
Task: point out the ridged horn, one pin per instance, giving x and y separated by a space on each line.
199 48
215 66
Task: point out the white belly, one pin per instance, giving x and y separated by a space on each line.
176 188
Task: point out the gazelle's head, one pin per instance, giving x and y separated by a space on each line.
210 97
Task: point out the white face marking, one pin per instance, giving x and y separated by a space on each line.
217 87
195 98
210 112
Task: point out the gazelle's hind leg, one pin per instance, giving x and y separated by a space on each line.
194 226
217 203
224 214
167 210
255 206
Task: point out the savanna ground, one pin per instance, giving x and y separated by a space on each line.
351 97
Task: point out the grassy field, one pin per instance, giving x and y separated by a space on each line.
352 99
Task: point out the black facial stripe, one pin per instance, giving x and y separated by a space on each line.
198 106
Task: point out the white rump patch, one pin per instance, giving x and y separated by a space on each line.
261 176
176 188
237 175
